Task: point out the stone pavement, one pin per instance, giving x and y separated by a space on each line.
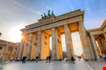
79 65
97 65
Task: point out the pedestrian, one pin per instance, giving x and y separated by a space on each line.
105 58
24 59
49 59
79 58
73 59
37 59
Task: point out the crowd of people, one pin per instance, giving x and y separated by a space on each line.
48 59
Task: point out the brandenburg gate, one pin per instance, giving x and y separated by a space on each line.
36 36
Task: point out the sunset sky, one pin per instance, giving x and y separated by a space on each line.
15 14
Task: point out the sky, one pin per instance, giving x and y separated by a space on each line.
15 14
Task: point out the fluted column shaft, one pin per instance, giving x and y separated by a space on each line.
38 48
86 44
54 44
45 48
94 46
59 47
69 44
25 46
30 45
34 45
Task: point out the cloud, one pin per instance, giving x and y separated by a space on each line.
13 13
16 12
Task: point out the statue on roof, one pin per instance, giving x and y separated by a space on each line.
48 15
42 16
53 13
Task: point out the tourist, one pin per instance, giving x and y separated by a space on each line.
73 59
49 59
24 59
37 59
105 58
79 58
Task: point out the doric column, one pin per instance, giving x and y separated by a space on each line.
25 45
59 46
30 45
13 54
18 51
38 48
21 49
54 44
99 49
2 52
5 51
69 44
45 48
94 46
34 45
87 53
101 46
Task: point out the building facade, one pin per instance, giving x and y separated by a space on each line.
36 37
8 50
98 37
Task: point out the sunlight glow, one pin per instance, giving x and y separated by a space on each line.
63 43
76 43
50 43
15 34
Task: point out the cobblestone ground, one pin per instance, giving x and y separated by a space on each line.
79 65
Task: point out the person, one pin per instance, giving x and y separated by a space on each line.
79 57
73 59
24 59
37 59
105 58
48 59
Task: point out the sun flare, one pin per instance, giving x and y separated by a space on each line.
15 34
